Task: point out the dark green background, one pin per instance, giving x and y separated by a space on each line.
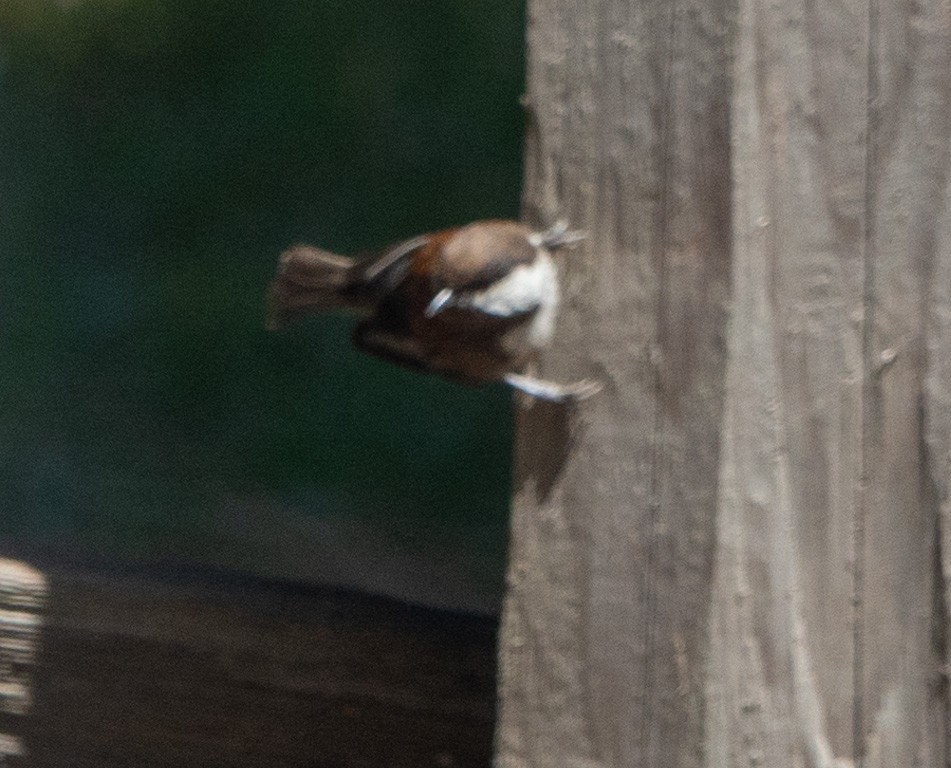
154 159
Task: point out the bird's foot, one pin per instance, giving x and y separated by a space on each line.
557 236
550 391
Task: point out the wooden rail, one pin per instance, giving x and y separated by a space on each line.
107 667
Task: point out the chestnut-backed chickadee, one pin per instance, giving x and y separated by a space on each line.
471 303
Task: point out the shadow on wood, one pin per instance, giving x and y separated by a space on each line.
548 433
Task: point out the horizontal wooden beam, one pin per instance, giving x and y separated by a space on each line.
107 666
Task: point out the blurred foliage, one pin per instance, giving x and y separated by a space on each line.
155 156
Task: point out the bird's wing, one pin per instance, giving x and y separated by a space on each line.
398 348
375 267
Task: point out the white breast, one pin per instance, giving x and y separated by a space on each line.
527 287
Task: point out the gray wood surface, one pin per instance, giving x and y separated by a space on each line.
738 553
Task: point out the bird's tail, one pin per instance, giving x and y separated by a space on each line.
308 280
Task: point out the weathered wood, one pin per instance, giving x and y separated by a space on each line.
781 670
936 285
901 698
738 560
611 563
826 561
109 668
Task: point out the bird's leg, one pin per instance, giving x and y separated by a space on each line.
549 390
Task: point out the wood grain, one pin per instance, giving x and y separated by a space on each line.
611 564
742 558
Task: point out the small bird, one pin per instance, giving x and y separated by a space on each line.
474 304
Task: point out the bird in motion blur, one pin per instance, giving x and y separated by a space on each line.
474 304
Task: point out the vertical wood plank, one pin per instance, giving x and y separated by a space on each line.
935 237
604 625
823 628
781 632
937 411
910 123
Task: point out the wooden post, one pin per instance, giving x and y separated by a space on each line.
735 554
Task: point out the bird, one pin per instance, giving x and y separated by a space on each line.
474 304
